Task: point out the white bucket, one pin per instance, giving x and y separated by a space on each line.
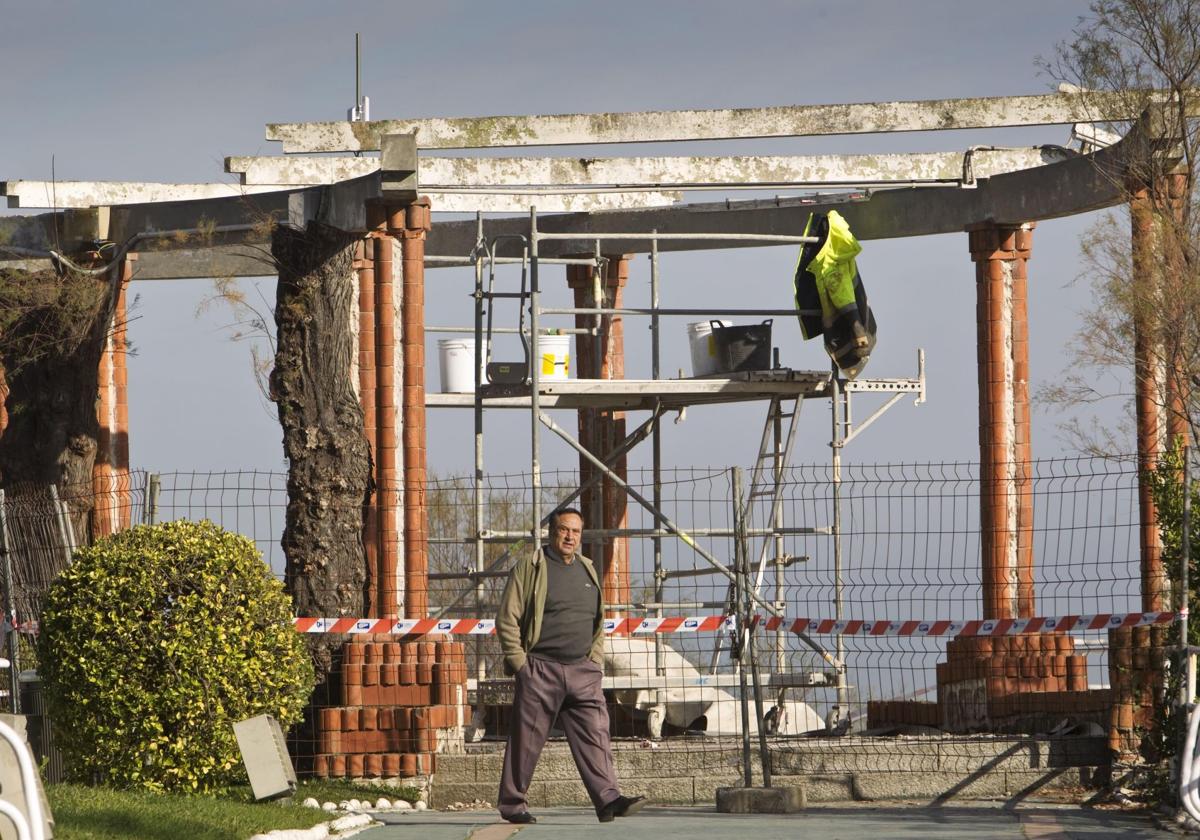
555 352
704 347
456 357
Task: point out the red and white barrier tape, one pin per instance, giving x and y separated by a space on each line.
974 627
708 623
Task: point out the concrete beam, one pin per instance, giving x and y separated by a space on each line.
245 260
465 202
1071 186
656 171
187 223
398 167
1077 185
68 194
717 124
303 171
242 260
90 194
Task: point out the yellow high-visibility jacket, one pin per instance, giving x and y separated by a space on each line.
830 297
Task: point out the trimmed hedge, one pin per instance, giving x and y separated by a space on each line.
154 642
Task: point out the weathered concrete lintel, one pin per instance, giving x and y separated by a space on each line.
73 194
77 195
665 171
1073 186
280 174
730 123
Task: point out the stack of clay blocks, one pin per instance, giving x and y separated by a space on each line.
1136 659
882 713
1016 683
401 705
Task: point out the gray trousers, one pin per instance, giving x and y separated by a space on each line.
571 692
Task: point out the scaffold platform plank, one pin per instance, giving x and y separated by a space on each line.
645 394
671 394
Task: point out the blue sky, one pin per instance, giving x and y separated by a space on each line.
162 91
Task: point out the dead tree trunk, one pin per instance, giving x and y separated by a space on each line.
52 332
329 461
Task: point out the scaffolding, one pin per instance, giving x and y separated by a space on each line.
745 600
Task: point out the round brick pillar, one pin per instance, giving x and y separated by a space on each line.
600 430
1000 254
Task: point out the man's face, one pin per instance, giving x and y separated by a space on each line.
568 530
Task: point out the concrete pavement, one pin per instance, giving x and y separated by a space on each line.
873 821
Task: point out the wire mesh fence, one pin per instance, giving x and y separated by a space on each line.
899 544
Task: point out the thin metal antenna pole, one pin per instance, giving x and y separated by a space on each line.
357 70
535 382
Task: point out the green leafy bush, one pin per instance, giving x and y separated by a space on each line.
154 642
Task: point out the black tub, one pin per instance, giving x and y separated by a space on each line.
745 347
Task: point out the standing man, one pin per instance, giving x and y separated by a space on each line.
551 631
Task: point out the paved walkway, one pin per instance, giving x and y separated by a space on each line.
853 822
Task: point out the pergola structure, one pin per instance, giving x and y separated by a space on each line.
995 196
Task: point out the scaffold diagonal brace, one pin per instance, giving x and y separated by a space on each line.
667 523
631 440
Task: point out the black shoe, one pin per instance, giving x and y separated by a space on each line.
523 818
622 806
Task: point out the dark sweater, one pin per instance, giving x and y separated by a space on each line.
569 619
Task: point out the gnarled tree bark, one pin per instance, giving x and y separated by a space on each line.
53 329
329 460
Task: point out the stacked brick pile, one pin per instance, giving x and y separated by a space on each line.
881 713
1017 683
1135 669
402 704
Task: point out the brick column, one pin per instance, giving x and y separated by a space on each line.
412 223
364 266
103 522
1000 253
1135 672
1148 396
120 372
387 471
600 431
110 470
1158 379
1176 188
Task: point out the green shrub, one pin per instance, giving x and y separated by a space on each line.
154 642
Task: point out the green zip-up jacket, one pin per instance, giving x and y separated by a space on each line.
519 619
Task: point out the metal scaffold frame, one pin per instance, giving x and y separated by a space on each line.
658 395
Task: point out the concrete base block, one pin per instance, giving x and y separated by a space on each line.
442 793
930 769
774 800
664 791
